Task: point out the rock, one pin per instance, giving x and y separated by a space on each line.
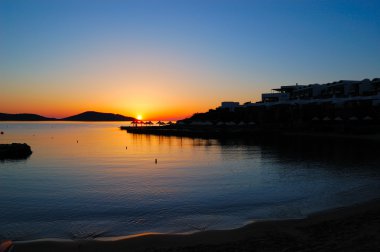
15 151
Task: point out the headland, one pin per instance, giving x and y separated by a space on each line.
342 108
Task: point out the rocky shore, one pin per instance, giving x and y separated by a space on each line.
15 151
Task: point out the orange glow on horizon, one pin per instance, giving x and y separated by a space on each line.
60 111
156 93
158 86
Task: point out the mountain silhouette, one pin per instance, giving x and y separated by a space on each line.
98 116
85 116
24 117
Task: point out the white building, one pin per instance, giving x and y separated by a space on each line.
230 105
339 91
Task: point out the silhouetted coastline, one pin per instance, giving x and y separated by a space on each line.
341 109
88 116
24 117
355 134
98 116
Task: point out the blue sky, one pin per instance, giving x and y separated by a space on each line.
200 52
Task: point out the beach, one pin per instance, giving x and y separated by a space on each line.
353 228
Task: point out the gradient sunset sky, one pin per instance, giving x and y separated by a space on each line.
170 59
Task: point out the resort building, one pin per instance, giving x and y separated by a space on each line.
339 91
341 106
230 105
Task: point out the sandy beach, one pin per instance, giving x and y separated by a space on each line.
353 228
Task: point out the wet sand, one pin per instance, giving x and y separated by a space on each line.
353 228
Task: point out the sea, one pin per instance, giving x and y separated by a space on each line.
93 180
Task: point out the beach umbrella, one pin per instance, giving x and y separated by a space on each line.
315 118
367 118
353 118
338 118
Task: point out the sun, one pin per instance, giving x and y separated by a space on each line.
139 117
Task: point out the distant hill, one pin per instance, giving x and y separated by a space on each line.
86 116
98 116
24 117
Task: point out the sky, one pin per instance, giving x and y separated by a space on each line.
169 59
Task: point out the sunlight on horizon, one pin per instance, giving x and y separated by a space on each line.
169 60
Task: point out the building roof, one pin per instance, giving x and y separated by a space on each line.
288 88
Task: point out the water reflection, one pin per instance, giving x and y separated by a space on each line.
328 151
98 187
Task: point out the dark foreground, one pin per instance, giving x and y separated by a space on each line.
254 132
354 228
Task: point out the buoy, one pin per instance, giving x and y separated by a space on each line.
2 133
126 147
155 161
77 141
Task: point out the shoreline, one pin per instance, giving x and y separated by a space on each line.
351 228
253 133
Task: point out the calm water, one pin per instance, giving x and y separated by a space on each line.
98 187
